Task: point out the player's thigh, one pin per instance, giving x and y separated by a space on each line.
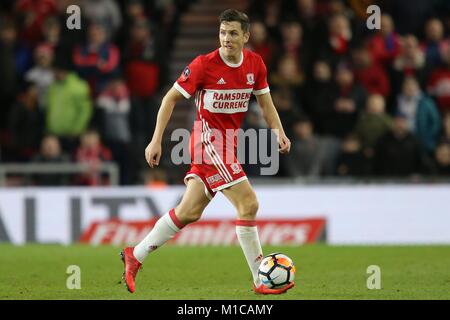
194 200
243 198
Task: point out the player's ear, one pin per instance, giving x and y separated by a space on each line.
246 36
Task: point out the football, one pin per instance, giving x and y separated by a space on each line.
276 270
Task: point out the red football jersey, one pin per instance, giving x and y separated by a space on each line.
222 94
222 89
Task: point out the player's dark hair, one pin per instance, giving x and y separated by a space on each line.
231 15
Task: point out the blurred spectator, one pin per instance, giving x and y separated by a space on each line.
168 16
306 157
42 74
398 153
351 161
26 123
270 13
14 62
410 62
144 67
292 43
317 104
442 159
372 76
421 113
385 44
336 49
341 7
445 136
288 75
92 153
51 32
306 9
15 47
439 83
372 124
50 152
410 16
313 24
97 60
335 7
332 148
103 12
134 11
260 43
68 105
114 103
287 110
349 99
32 14
143 60
434 43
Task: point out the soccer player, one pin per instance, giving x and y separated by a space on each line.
222 82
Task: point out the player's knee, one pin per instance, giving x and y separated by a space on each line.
249 209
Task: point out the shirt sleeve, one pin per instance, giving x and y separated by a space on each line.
261 85
190 79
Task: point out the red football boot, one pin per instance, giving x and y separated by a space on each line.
132 266
262 289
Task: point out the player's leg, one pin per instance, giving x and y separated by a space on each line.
244 199
189 210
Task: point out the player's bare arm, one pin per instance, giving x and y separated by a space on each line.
153 150
273 120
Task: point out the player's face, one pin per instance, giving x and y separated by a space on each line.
232 37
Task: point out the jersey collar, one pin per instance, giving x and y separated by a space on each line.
233 65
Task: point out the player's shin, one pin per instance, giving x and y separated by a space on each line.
165 229
248 237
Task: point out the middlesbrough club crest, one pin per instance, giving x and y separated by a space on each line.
250 78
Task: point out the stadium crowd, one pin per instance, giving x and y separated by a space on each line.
355 102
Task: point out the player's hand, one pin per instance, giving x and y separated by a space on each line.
285 144
153 153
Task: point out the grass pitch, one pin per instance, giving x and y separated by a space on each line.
323 272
